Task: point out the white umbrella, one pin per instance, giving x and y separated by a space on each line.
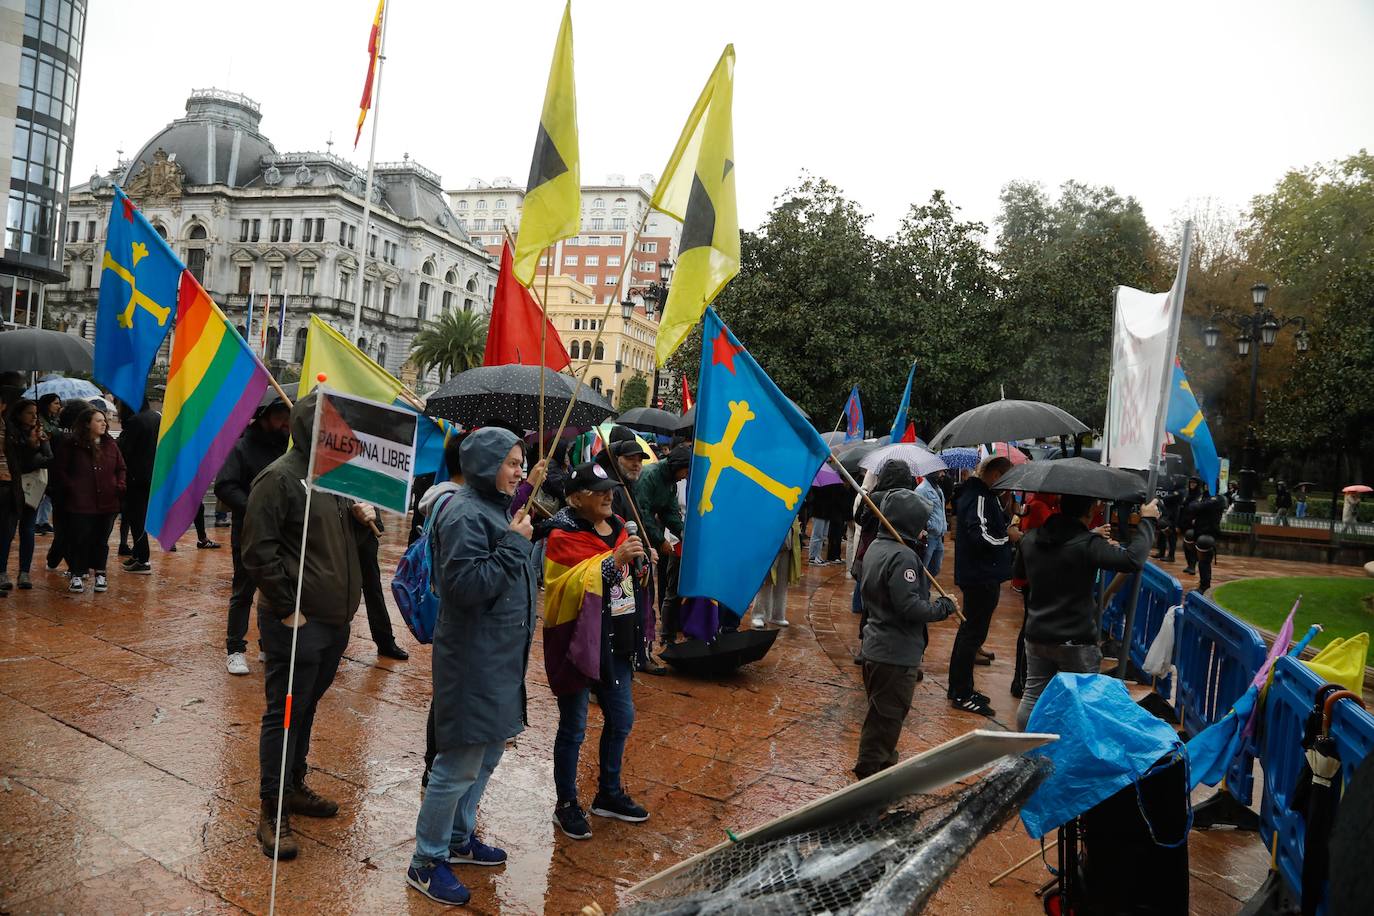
921 461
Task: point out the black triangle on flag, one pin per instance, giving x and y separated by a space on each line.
547 164
699 224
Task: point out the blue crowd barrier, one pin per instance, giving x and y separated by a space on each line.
1217 656
1159 591
1287 705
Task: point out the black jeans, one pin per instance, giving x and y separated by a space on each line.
378 620
16 522
668 568
240 595
89 547
979 602
319 647
834 534
60 550
136 516
889 689
1204 568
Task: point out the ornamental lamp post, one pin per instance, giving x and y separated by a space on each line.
1258 329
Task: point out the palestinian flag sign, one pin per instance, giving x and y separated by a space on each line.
363 450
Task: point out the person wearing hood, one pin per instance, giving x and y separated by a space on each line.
1059 561
897 600
893 475
597 617
262 442
483 572
329 584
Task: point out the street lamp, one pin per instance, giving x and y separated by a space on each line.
1261 326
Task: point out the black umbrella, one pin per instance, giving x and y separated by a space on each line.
1002 421
1074 477
509 395
851 457
33 349
650 419
730 650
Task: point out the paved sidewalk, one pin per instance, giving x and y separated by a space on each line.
128 761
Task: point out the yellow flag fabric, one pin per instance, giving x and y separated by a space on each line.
698 189
1342 661
346 368
553 196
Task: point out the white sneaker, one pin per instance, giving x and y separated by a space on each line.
237 663
758 623
101 583
76 585
782 623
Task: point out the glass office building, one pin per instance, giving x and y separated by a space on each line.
40 75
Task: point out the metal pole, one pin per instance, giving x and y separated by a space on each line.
371 169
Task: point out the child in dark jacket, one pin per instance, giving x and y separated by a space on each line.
897 600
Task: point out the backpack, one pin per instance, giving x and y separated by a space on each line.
415 596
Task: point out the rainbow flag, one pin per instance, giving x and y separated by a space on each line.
213 387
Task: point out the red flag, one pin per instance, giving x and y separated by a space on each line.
910 434
686 395
513 333
374 40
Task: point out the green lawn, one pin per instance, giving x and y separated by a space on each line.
1340 605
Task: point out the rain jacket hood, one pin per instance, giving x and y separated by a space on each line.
302 422
907 511
433 493
482 452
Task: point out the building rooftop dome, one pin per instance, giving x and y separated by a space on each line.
216 143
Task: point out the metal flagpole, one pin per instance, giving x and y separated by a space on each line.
1180 287
296 623
371 170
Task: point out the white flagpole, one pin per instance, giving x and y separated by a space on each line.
371 168
296 624
1176 300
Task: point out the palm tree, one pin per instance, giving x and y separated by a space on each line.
452 344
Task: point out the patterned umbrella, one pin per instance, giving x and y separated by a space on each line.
64 388
921 461
961 459
509 396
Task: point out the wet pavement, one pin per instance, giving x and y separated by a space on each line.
128 760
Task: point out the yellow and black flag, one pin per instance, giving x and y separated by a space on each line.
698 189
553 197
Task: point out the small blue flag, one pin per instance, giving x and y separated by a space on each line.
899 423
854 417
754 458
1185 421
139 277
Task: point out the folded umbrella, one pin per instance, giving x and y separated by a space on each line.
1003 420
1074 477
726 653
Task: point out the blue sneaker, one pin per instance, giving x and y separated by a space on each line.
437 882
476 853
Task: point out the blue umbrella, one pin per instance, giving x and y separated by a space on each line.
960 459
65 388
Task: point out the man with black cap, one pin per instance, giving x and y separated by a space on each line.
263 442
1200 521
623 460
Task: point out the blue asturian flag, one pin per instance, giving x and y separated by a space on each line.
1185 421
854 417
754 458
139 277
900 421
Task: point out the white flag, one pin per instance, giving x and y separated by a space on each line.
1141 354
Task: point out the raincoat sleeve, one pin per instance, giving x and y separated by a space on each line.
1106 555
473 563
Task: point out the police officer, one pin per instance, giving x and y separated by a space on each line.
1201 523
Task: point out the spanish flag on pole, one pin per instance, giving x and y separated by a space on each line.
698 189
553 197
374 45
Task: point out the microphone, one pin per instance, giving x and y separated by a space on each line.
638 566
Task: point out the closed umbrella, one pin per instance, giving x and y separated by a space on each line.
34 349
720 656
1002 420
921 461
650 419
509 395
1074 477
65 388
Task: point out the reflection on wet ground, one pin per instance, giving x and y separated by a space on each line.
130 761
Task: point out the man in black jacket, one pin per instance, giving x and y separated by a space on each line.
897 600
138 444
1060 560
982 562
263 442
1201 525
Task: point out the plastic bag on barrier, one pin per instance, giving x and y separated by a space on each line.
1160 658
1342 661
1106 742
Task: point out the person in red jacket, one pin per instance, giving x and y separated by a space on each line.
91 474
1034 513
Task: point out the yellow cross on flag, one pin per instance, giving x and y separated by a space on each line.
698 189
553 197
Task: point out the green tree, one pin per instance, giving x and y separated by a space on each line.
635 392
1313 235
1061 260
453 343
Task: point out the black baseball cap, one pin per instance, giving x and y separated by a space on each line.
590 477
629 448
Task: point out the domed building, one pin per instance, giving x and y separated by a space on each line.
281 233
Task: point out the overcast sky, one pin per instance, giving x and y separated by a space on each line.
1168 101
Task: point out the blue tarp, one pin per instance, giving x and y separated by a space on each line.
1106 742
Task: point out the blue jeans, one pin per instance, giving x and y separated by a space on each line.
618 711
814 546
448 814
935 556
1301 510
